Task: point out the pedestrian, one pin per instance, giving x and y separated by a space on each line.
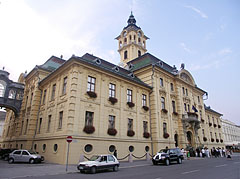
203 153
207 153
223 152
115 153
228 153
188 154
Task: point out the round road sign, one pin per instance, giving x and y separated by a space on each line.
69 139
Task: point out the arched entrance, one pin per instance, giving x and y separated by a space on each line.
189 138
176 140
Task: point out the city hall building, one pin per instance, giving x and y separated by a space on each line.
137 107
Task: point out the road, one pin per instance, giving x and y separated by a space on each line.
213 168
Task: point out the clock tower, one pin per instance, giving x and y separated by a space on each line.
131 41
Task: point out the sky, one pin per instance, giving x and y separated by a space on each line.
202 34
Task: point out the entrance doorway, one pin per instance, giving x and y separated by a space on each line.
176 140
189 138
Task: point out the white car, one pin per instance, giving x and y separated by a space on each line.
99 162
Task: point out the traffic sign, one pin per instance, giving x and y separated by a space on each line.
69 139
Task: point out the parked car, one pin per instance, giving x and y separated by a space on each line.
5 154
25 156
99 162
167 156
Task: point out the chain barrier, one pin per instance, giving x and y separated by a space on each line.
86 157
124 157
139 157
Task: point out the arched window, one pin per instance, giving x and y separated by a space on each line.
2 90
12 94
134 37
125 55
139 53
125 40
163 102
130 37
139 40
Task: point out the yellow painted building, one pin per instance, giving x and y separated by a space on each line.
139 107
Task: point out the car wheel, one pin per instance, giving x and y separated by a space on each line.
115 168
179 161
154 162
10 160
93 170
167 162
31 161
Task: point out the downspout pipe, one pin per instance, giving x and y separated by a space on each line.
35 133
150 118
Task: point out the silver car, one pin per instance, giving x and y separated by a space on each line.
25 156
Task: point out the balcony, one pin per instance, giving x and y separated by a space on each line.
191 117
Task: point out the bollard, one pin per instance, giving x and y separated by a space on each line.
81 158
130 158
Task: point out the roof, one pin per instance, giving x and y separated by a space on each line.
52 63
101 64
148 59
112 68
208 108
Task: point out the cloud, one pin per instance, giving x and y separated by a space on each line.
225 51
203 15
183 45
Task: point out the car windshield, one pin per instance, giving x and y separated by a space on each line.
163 151
95 158
32 152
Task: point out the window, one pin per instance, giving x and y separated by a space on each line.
185 107
125 40
163 102
200 111
139 40
134 37
208 119
12 94
203 133
110 158
111 121
112 90
161 82
91 84
139 53
31 99
22 127
2 90
173 106
125 54
188 106
44 147
186 92
145 126
39 126
213 120
26 128
26 100
49 122
130 124
17 152
183 90
60 120
88 148
164 127
131 148
198 99
144 100
64 89
171 86
129 95
44 96
53 91
55 147
89 118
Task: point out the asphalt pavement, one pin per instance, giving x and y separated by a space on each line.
197 168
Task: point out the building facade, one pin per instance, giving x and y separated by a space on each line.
231 133
139 107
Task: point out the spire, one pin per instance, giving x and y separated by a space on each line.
131 20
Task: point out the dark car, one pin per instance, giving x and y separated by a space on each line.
5 153
167 156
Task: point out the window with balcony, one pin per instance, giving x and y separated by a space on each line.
129 95
91 84
112 90
163 102
144 100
